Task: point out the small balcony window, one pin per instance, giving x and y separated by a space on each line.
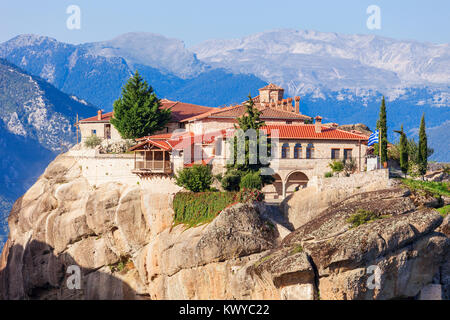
298 151
285 151
334 154
309 151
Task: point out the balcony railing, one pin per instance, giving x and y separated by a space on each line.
157 166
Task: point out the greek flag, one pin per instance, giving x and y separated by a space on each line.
373 138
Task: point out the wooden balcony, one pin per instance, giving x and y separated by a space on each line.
152 166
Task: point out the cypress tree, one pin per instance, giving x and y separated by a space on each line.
423 147
382 127
403 146
138 113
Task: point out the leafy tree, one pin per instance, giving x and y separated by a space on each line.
403 151
92 141
336 166
422 157
197 178
382 127
252 163
138 113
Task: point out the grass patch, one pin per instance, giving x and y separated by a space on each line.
437 189
262 260
297 249
361 217
444 211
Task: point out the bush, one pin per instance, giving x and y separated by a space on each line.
120 146
336 166
444 211
92 141
361 217
436 189
251 180
197 178
250 195
328 174
231 181
350 166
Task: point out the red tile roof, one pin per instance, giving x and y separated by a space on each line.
307 131
180 111
105 118
271 86
234 112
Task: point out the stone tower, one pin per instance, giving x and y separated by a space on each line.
271 93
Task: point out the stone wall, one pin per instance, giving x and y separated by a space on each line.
99 169
307 204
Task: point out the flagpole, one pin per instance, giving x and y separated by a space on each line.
379 144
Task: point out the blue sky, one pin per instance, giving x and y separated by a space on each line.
198 20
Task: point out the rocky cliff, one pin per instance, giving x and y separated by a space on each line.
123 239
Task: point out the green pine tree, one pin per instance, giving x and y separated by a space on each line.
382 127
403 150
252 162
138 113
423 147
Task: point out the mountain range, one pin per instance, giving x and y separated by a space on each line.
44 83
36 124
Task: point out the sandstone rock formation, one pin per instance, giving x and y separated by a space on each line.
123 240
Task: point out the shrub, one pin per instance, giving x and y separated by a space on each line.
336 166
250 195
361 217
251 180
121 146
231 181
92 141
328 174
197 178
350 166
436 189
444 211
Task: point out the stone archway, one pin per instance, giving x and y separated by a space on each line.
294 181
274 191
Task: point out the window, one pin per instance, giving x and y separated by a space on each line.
107 133
298 151
309 151
347 154
285 151
93 132
334 153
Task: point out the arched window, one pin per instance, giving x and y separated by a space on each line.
285 151
298 151
309 151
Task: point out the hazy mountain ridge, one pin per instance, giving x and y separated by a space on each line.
331 59
36 122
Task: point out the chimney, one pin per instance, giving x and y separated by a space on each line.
290 107
284 104
318 124
99 115
297 104
273 105
279 104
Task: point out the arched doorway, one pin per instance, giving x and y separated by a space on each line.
294 181
274 191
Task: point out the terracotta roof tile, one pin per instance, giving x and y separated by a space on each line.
307 131
180 111
233 112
